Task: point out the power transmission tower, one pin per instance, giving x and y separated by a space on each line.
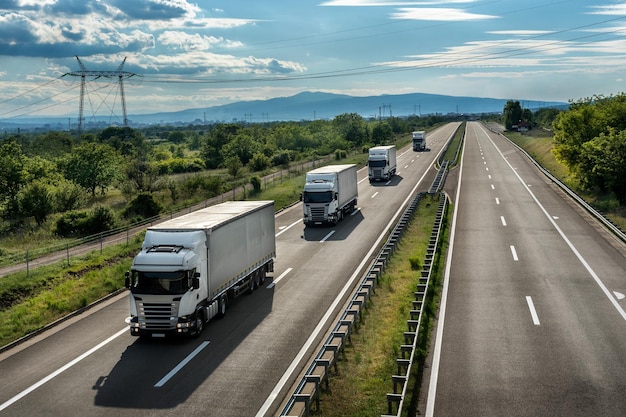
84 73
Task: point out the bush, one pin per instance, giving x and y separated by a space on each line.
340 154
256 184
281 159
143 206
259 162
83 223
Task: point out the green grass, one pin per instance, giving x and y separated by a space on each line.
34 300
364 377
540 148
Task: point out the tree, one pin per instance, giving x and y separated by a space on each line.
241 146
176 137
545 117
214 142
353 128
381 133
37 200
233 166
606 166
512 114
92 166
12 172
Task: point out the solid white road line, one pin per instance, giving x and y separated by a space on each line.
322 323
62 369
582 260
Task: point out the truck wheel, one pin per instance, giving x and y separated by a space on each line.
222 306
251 283
199 323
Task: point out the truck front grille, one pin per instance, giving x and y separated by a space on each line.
157 316
378 173
318 214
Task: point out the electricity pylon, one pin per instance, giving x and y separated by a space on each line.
84 73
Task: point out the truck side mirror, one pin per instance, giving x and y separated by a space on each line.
195 282
300 196
336 196
127 279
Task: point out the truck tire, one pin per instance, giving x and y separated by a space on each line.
222 306
199 323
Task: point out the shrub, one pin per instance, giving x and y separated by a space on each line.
340 154
143 206
83 223
256 184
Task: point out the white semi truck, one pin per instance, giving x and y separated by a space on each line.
419 140
190 267
381 163
329 194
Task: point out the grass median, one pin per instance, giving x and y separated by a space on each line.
364 378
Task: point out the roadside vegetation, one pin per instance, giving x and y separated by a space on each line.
159 170
584 146
364 378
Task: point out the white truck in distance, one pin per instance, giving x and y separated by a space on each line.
419 140
381 163
329 194
190 266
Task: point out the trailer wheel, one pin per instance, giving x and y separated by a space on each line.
251 283
222 306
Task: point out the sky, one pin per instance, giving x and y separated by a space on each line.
168 55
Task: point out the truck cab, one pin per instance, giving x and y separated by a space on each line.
165 286
419 140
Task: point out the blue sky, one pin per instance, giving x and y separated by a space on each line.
183 54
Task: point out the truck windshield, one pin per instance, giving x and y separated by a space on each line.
321 197
161 283
377 164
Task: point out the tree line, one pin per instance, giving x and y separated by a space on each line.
589 139
59 178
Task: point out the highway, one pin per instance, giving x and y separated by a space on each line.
532 320
242 365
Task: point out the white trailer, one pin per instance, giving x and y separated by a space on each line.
329 194
419 140
381 163
190 267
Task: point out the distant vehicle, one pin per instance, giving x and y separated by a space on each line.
381 163
329 194
190 266
419 140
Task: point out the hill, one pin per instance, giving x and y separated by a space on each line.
303 106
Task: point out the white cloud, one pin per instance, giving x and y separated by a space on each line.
438 14
520 32
390 3
612 10
194 42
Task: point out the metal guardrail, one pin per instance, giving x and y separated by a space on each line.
400 380
440 178
309 387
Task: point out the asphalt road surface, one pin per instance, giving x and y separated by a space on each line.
243 364
532 321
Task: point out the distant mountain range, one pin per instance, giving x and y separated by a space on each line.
303 106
